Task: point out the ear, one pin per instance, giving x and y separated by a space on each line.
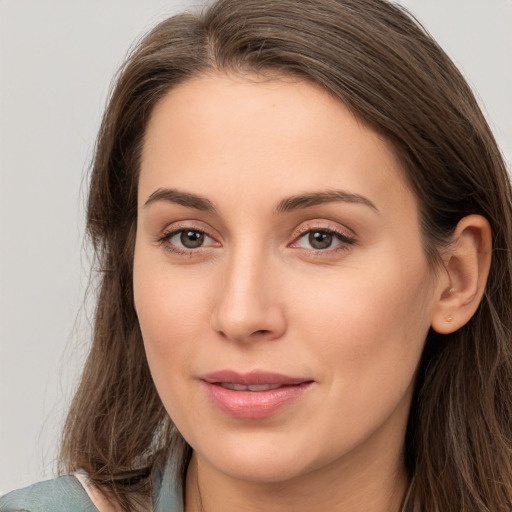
466 267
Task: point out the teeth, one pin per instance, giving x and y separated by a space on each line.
234 387
263 387
250 387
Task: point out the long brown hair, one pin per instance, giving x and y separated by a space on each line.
392 75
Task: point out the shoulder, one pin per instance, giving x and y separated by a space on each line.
74 493
62 494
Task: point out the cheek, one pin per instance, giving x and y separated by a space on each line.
372 325
172 319
366 334
172 315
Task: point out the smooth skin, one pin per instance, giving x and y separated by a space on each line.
229 273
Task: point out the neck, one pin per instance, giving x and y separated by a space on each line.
376 487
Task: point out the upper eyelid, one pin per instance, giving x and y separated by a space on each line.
323 225
176 227
168 234
342 238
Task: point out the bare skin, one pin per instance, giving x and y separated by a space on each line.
276 233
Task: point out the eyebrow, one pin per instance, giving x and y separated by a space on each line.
316 198
289 204
171 195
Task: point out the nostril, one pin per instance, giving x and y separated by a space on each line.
261 332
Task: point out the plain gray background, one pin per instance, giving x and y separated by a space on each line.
57 58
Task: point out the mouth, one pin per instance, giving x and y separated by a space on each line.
252 379
249 387
255 394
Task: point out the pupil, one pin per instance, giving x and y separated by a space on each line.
320 239
192 239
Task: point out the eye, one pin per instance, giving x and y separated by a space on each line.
189 239
186 240
322 240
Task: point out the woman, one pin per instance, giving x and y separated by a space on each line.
303 224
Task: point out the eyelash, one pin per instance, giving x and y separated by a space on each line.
165 241
345 240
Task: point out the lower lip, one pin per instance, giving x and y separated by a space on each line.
254 404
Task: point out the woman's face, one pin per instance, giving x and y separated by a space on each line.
280 281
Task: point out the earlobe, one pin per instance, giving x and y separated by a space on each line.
466 267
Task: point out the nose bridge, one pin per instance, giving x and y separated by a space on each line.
248 305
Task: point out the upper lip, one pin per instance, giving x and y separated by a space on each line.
254 377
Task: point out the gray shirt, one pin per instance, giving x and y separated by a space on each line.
66 494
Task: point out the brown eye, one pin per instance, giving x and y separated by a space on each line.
187 241
191 239
323 240
320 239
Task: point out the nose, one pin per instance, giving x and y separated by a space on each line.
248 303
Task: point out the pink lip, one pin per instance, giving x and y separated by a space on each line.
253 404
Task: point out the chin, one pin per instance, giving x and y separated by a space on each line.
261 461
262 469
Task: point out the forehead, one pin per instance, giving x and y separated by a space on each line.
258 137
